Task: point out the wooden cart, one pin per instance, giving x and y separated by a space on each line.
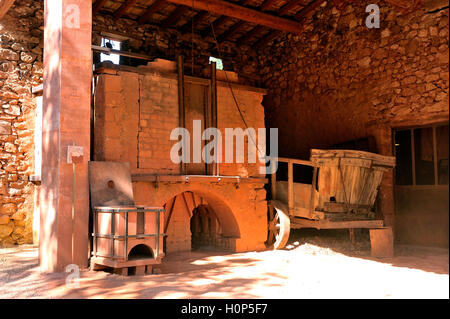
341 195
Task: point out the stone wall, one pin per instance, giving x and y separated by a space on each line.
329 84
21 68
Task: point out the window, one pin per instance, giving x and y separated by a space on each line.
422 156
219 62
115 45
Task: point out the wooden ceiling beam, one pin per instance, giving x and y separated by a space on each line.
98 5
267 5
306 11
174 16
231 31
289 6
124 8
219 22
245 39
301 15
4 6
242 13
187 27
158 4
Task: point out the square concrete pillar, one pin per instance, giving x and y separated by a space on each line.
66 122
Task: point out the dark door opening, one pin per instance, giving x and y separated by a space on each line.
205 229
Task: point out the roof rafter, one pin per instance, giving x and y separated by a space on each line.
245 39
124 8
4 6
174 16
158 4
98 5
242 13
302 14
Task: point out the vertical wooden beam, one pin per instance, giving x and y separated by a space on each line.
273 181
214 111
291 188
313 190
435 157
181 104
413 157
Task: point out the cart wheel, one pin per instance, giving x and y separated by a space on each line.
279 228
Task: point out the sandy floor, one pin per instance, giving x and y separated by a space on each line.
310 267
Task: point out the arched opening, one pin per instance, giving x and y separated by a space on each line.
206 230
195 220
140 251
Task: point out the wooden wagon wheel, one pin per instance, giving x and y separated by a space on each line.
279 228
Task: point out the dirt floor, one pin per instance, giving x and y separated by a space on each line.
312 266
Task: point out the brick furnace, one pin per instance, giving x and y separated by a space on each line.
216 205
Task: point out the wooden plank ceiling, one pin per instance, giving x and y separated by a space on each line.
244 22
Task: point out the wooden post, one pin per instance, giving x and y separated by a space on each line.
290 188
181 108
214 111
435 157
413 157
313 188
274 185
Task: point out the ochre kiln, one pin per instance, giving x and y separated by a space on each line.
136 110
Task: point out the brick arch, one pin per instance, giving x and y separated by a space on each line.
240 208
215 203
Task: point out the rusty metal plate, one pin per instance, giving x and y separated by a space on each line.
110 184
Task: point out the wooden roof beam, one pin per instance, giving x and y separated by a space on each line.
4 6
242 13
231 31
245 39
158 4
267 5
187 27
306 11
302 14
220 21
124 8
289 6
174 16
98 5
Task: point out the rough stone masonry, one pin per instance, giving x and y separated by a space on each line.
21 68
